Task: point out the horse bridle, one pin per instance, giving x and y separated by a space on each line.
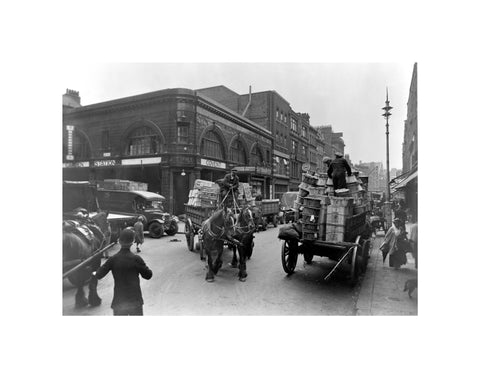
249 227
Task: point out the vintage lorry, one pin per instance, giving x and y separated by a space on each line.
83 194
138 202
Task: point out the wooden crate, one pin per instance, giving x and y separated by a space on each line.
337 218
310 227
341 201
311 211
311 219
309 235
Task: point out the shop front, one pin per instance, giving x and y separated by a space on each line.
281 186
259 179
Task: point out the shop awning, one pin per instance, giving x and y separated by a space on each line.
405 181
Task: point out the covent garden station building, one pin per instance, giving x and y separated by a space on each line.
167 139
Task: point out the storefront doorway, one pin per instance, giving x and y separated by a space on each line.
180 192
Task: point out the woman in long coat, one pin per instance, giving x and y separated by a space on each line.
138 228
394 245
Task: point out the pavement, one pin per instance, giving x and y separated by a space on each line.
381 291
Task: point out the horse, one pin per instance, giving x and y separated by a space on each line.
81 239
243 233
217 230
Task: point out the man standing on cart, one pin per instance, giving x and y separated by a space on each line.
229 184
337 170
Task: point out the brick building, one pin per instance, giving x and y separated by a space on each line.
405 186
167 139
295 141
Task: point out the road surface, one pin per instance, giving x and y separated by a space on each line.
178 285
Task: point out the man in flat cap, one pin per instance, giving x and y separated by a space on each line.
126 267
337 170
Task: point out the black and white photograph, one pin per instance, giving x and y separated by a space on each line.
293 195
198 189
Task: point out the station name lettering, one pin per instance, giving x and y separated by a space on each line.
212 163
104 163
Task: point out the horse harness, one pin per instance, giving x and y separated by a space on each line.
87 232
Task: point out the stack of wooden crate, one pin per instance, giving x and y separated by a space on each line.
127 185
338 212
314 216
204 193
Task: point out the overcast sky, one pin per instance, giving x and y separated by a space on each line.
348 96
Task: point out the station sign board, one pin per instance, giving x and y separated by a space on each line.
213 164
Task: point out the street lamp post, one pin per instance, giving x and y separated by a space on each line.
386 115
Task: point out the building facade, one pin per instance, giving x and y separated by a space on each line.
296 144
167 138
406 185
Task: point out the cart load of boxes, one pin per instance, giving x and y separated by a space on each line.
206 194
325 213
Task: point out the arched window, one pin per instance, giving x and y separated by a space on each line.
143 141
80 146
211 146
237 153
257 157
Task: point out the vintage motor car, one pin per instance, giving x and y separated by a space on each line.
139 202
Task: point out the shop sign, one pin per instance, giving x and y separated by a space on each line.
213 163
104 163
76 164
305 167
143 161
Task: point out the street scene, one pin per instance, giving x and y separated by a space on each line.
211 200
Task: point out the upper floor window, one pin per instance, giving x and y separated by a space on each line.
80 146
143 141
211 146
294 125
182 134
304 131
294 146
277 114
105 140
237 153
304 150
257 157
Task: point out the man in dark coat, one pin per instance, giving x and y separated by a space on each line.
336 171
125 267
229 183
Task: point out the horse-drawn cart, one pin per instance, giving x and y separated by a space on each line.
334 226
195 216
353 250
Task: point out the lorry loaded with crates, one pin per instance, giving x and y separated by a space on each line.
328 223
84 195
133 199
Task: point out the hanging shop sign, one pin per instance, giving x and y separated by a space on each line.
142 161
76 164
213 163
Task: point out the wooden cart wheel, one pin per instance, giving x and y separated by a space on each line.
289 256
189 234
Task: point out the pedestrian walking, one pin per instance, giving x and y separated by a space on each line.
394 245
337 170
414 241
126 267
138 228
